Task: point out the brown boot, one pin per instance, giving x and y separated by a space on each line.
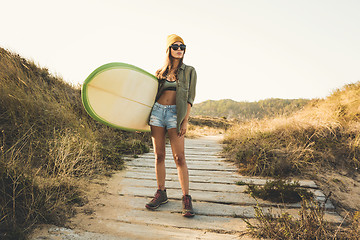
159 199
187 209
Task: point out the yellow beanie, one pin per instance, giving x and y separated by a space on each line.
171 39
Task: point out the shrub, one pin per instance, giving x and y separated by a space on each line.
310 225
280 191
49 146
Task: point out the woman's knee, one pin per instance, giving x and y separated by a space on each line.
179 159
160 157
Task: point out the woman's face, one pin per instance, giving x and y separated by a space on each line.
177 53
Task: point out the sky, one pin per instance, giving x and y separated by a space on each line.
245 50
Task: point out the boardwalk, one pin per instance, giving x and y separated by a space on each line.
118 212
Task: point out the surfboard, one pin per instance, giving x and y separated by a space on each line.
120 95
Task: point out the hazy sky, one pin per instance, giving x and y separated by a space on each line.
245 50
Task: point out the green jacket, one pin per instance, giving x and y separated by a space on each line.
185 91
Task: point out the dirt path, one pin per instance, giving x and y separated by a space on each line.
116 205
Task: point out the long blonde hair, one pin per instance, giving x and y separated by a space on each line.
169 70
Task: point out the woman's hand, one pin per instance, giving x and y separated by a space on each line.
183 128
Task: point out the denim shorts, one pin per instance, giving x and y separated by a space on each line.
163 116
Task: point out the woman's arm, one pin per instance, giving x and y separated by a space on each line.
190 101
192 87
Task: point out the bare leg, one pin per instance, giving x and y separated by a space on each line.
177 146
158 139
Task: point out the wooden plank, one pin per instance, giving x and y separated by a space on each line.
217 209
212 166
242 199
214 187
209 177
199 222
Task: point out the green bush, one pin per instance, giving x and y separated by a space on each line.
280 191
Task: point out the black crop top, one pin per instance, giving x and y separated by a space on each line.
170 85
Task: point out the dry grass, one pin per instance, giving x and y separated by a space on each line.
324 134
310 225
49 146
206 126
323 137
30 195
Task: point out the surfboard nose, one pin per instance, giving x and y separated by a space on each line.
120 95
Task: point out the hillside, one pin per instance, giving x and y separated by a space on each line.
322 141
49 146
248 110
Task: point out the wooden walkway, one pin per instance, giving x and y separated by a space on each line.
219 203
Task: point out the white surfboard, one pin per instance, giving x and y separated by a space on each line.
120 95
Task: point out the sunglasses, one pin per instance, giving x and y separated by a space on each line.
176 47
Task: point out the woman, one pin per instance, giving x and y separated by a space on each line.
170 114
